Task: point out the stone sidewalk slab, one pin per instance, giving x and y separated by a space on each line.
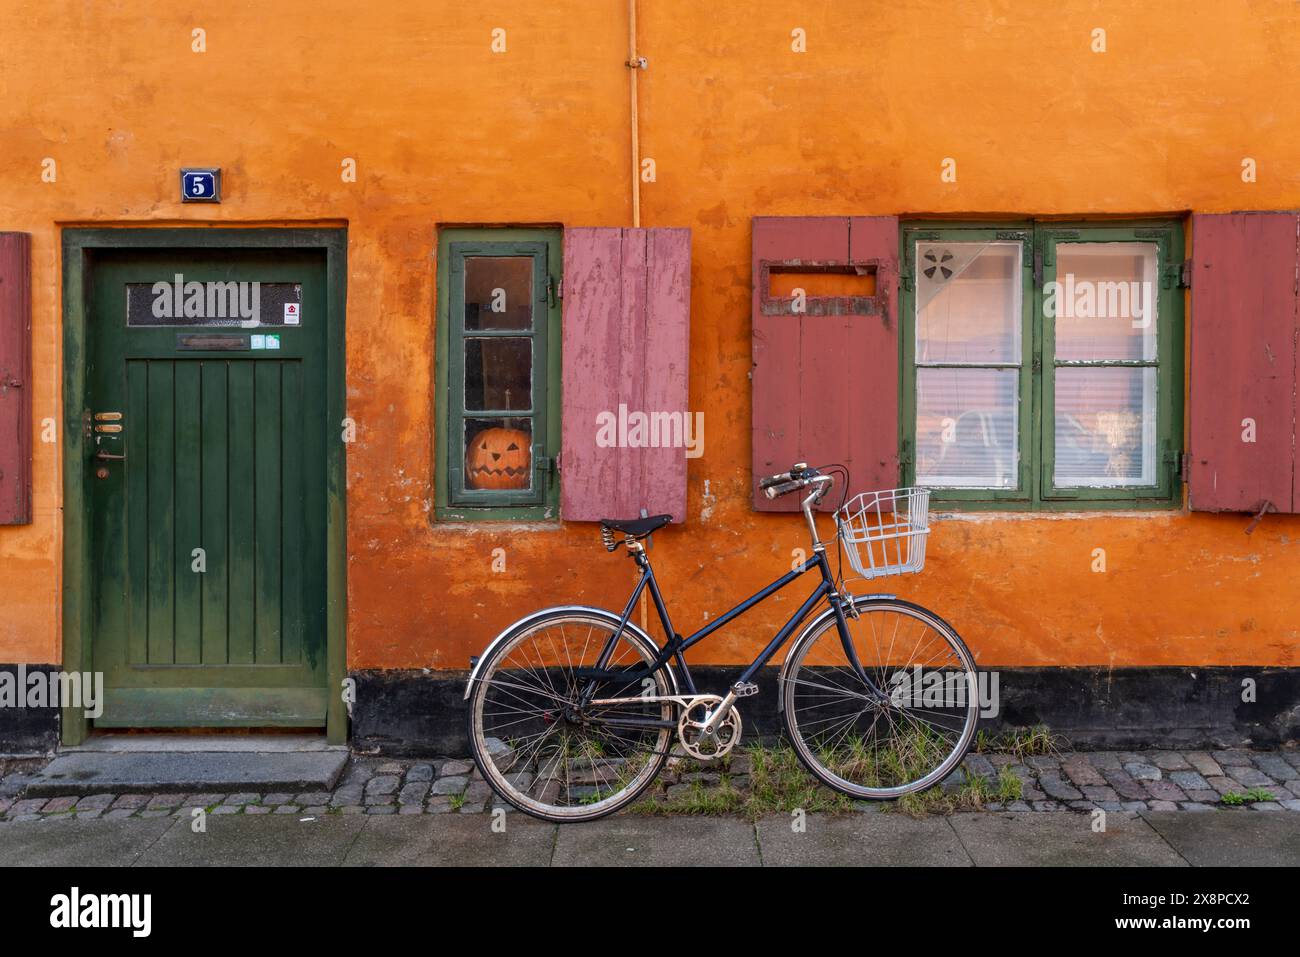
70 842
860 840
283 840
452 840
657 842
148 772
1051 840
1231 838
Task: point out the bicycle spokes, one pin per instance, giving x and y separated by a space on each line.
554 740
905 735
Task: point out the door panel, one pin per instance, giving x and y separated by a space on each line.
207 537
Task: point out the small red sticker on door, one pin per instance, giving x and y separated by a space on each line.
291 313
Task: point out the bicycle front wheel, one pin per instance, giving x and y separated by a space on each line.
555 741
898 719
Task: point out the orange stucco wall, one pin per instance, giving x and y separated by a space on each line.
446 131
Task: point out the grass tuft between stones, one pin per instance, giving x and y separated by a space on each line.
769 779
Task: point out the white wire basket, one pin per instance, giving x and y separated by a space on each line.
884 533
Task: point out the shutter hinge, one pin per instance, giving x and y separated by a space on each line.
905 453
1180 463
906 283
547 466
1185 274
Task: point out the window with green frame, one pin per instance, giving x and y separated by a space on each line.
1043 363
498 374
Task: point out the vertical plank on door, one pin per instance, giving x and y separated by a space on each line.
292 492
136 430
240 536
188 514
215 529
1243 362
160 467
267 512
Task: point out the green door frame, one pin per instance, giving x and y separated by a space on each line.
79 246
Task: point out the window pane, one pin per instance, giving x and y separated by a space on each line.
1104 300
1105 427
498 374
966 428
220 303
498 292
968 302
498 454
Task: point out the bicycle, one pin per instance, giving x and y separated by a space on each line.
573 710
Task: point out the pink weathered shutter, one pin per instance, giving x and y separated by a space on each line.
15 379
625 349
1244 323
825 381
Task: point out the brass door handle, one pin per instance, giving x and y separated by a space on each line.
109 457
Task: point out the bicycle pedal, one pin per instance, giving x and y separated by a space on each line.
743 689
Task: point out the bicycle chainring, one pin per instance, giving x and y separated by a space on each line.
700 745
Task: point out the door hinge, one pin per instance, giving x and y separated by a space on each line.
1185 274
906 283
1185 467
1038 267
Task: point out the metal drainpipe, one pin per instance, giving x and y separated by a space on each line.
634 64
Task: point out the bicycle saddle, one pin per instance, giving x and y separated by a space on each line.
638 527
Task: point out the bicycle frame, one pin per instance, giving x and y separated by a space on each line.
675 647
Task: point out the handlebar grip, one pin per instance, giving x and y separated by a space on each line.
781 488
772 480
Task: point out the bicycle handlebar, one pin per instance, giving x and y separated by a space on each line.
800 476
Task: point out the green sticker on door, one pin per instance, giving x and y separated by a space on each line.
265 342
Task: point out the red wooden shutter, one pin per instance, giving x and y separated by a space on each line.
825 382
1243 362
15 379
625 349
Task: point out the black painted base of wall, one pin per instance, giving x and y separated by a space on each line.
26 731
421 713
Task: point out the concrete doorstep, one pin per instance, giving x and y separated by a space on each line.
152 772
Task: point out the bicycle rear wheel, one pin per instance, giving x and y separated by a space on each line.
872 745
540 742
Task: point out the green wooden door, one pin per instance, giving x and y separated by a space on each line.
206 480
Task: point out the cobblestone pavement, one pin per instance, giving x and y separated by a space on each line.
1077 781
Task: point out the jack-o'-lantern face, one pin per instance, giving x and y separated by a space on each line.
498 458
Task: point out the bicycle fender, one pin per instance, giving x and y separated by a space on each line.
611 617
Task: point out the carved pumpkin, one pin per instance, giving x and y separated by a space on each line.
499 458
